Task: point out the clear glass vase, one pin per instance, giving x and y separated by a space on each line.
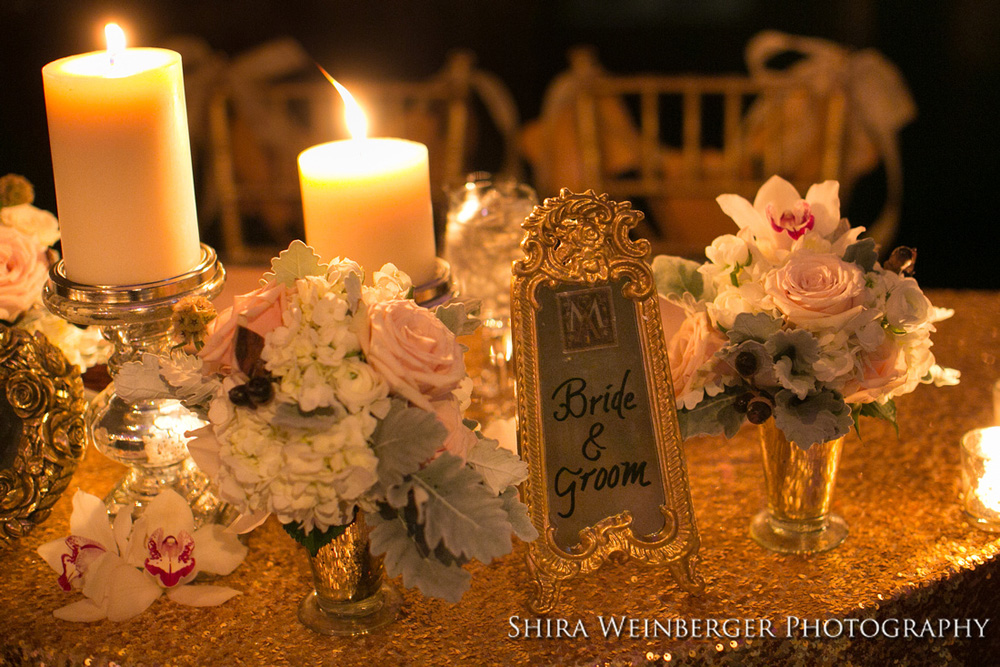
800 486
350 596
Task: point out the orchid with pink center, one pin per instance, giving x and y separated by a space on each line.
779 217
122 569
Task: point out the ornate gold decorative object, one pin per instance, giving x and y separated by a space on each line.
584 303
42 431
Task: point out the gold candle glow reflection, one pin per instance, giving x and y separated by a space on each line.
981 477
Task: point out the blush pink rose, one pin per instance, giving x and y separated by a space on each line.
460 438
877 374
259 311
414 351
24 267
694 344
817 291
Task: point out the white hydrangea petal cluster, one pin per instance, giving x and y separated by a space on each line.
313 477
311 353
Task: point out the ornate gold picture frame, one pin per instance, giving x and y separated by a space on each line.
597 423
42 433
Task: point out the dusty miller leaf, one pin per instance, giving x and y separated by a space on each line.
675 276
460 512
499 467
298 261
517 513
758 327
461 317
863 254
403 441
390 536
821 417
141 380
715 415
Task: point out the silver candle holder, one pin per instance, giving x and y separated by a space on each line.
439 289
147 436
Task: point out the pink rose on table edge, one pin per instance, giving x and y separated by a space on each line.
24 268
350 400
809 327
418 355
123 568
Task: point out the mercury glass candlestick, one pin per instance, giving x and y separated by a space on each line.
147 436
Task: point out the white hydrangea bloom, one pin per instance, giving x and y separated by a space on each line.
314 477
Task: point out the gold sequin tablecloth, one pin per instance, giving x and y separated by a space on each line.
909 555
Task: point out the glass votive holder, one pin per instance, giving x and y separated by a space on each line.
996 403
981 477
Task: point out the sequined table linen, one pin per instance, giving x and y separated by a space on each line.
909 555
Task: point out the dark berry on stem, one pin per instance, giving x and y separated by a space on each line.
746 363
239 395
260 389
758 411
741 402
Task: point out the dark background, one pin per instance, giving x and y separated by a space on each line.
949 53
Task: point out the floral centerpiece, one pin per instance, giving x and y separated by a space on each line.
794 317
328 397
26 236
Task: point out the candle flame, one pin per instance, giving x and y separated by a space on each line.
357 123
115 36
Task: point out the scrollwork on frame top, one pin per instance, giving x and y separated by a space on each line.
584 238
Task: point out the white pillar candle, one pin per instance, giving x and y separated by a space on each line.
370 200
121 158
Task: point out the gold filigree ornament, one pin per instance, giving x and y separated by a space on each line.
42 432
585 319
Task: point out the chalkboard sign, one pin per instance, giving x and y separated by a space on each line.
596 417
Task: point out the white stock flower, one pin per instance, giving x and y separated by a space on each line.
388 284
358 385
747 298
314 477
83 348
906 306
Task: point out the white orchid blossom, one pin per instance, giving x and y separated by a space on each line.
779 217
122 568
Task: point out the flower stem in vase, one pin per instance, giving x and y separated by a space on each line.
350 596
